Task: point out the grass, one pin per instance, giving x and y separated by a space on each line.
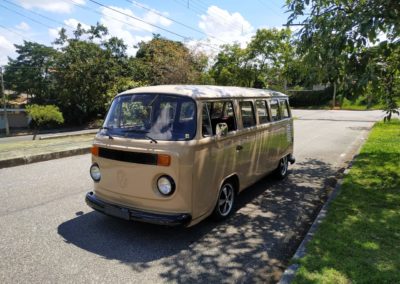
359 241
34 147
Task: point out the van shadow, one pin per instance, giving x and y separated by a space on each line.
254 245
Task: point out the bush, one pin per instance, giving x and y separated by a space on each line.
44 116
310 98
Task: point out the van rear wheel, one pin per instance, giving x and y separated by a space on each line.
225 201
282 170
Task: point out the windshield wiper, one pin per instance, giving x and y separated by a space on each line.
141 131
152 139
107 133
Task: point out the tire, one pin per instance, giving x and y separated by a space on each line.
225 202
282 170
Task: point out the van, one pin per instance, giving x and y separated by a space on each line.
174 155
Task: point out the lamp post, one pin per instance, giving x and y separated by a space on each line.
4 103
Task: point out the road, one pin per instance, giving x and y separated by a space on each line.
4 140
49 235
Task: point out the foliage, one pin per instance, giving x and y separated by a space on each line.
266 62
162 61
358 240
310 98
43 115
31 72
336 37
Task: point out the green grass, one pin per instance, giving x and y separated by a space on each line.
359 241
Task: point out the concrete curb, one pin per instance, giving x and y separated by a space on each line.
54 136
290 272
42 157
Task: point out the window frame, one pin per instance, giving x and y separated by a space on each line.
251 101
266 105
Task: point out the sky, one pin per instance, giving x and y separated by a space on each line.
201 24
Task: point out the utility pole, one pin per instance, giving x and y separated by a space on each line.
4 103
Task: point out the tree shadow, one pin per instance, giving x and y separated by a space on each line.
254 245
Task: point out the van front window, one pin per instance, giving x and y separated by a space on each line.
152 116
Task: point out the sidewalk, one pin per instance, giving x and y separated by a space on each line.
15 153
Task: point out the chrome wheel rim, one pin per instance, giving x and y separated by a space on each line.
225 200
284 166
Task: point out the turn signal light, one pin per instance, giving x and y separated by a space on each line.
163 160
95 151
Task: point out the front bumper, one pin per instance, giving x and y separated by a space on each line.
181 219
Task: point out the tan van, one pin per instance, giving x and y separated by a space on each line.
174 154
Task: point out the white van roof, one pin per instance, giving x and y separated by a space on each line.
205 91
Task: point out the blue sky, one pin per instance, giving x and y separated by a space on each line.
211 22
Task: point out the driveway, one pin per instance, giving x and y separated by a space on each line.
48 234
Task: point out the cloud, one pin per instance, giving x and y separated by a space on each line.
6 49
71 26
23 26
224 27
125 27
74 23
56 6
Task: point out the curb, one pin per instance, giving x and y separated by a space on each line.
290 272
94 131
42 157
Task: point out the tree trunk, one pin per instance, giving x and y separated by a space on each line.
334 96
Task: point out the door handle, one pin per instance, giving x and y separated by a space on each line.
239 147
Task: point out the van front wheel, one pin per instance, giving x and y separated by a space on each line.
225 202
282 170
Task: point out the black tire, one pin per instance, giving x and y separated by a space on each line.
225 202
282 170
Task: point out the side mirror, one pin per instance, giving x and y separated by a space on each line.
221 129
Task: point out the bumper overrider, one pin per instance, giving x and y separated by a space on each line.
181 219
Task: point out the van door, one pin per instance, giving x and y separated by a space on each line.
265 164
277 133
249 146
215 157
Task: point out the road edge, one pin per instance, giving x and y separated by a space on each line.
290 272
13 162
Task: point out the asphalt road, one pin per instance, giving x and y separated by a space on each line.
48 234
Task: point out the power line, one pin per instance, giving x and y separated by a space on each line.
12 31
194 7
140 20
32 19
40 15
171 19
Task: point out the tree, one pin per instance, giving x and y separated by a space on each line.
163 61
340 31
87 71
43 115
31 71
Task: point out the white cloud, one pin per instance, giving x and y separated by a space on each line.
23 26
71 26
125 27
56 6
224 27
6 49
74 23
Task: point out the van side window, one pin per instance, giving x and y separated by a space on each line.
262 111
275 113
284 109
247 111
206 122
218 112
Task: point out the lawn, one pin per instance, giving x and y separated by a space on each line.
359 241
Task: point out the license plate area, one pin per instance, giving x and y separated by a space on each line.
117 212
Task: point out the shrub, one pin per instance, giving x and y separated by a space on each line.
310 98
44 116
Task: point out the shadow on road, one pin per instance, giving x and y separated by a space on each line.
254 245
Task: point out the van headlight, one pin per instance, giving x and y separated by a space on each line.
165 185
95 172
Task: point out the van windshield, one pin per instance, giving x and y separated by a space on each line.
152 116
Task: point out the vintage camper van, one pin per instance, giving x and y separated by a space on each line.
174 154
